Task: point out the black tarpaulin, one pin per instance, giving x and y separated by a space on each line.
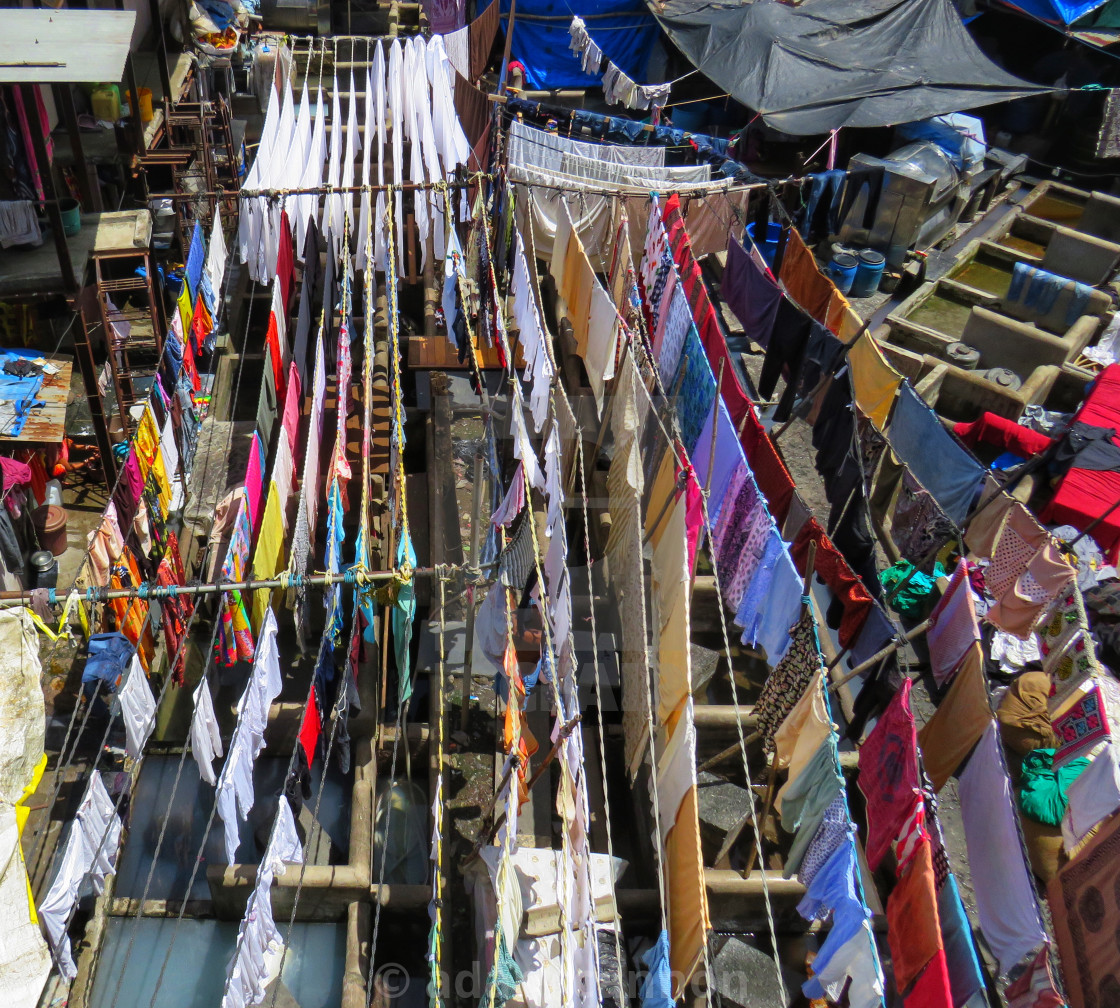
830 63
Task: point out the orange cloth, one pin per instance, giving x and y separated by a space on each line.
810 288
913 926
131 614
688 897
958 723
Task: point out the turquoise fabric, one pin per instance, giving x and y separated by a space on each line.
1042 792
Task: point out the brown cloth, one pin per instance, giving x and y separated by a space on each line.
913 925
473 109
1024 722
958 723
1085 907
480 35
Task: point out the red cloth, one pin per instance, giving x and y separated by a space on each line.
769 471
932 989
888 774
1084 495
311 728
285 262
1006 435
693 516
273 339
13 473
834 572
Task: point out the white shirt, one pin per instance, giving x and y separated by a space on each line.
138 708
206 738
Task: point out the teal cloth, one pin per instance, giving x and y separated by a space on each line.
1042 792
914 597
504 975
807 798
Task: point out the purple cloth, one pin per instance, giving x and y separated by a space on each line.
750 294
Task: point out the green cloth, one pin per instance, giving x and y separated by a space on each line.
1042 792
914 597
507 973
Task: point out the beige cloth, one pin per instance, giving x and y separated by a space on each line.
960 720
1024 721
802 733
670 586
688 898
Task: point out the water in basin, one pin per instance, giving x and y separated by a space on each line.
1052 208
991 279
1024 245
941 314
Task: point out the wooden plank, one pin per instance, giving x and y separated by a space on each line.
64 46
46 425
437 352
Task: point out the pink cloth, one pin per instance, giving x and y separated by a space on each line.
954 627
293 396
888 775
693 517
514 500
254 478
13 473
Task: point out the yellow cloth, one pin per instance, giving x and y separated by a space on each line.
162 482
147 441
186 310
958 723
662 487
875 382
802 733
23 813
268 558
688 898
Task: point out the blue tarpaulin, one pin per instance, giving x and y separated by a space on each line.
626 35
1063 12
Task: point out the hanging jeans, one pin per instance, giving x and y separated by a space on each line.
824 194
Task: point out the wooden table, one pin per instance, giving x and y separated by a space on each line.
46 425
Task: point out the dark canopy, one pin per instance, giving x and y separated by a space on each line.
829 63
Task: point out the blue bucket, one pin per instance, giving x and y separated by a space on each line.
769 247
843 269
869 273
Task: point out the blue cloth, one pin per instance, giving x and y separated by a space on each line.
592 121
335 536
404 612
965 977
834 887
771 602
20 392
697 389
109 655
728 456
669 136
780 608
827 185
196 258
657 987
936 460
1061 12
221 13
1038 290
207 290
625 131
627 39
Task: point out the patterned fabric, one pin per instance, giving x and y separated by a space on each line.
954 629
1034 987
235 636
737 523
787 682
835 829
912 834
516 560
1017 545
1060 624
1081 727
872 444
747 563
727 506
678 324
919 526
698 390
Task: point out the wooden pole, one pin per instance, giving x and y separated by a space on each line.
468 669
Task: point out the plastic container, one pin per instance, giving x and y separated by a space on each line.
146 112
870 272
54 493
42 570
50 525
106 102
769 247
963 356
71 211
843 270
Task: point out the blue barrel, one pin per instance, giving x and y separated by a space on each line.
843 269
869 273
769 247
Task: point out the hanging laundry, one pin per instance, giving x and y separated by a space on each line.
1081 726
913 927
235 636
954 627
889 774
206 736
961 718
90 854
807 798
1005 900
